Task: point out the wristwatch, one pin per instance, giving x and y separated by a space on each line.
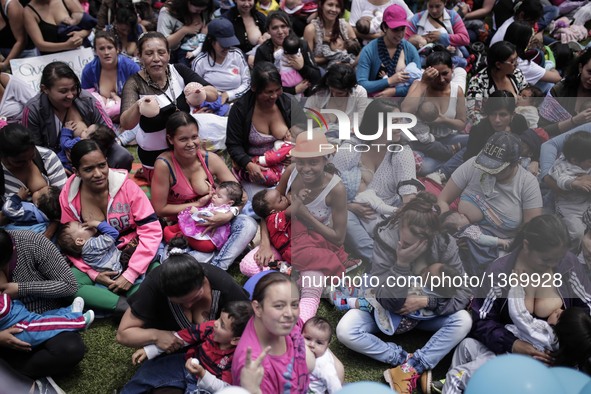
235 211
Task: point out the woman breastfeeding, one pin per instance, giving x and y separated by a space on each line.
96 192
184 177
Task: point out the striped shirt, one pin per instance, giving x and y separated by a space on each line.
42 273
56 176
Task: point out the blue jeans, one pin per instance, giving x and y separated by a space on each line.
453 163
357 240
431 165
550 13
242 231
163 371
357 328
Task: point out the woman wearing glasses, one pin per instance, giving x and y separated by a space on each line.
388 56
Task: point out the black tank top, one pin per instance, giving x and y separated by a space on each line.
49 31
7 39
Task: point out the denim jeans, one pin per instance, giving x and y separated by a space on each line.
163 371
357 240
452 164
242 231
357 328
550 13
431 165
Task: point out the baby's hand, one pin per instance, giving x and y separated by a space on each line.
68 21
70 124
23 193
92 224
194 367
139 356
504 244
303 194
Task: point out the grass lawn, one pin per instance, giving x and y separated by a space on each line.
107 365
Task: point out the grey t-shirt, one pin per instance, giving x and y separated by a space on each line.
503 206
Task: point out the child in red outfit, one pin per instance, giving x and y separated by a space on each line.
209 360
275 209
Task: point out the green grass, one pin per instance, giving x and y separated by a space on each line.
107 365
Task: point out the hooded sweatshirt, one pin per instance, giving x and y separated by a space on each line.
129 211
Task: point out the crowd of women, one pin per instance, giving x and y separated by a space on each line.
496 183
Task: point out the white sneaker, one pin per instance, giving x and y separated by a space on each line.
89 317
47 385
78 305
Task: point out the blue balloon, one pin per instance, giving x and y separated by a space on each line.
514 374
365 387
586 389
252 282
571 380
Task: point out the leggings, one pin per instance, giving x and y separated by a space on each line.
55 356
98 296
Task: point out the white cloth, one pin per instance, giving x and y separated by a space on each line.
231 76
324 376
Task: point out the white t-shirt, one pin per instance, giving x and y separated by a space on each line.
232 76
16 95
358 7
507 200
500 34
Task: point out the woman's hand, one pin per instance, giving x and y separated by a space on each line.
399 77
10 288
582 183
120 285
263 38
104 278
429 75
255 173
388 92
195 369
253 372
582 118
9 341
302 86
295 61
433 36
75 39
168 342
218 219
264 255
405 256
362 210
413 304
522 347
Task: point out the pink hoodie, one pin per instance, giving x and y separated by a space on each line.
129 211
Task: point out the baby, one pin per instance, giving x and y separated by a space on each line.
428 113
458 225
98 251
317 333
571 172
290 77
36 215
425 48
272 161
528 101
70 134
193 224
275 209
370 22
195 96
209 360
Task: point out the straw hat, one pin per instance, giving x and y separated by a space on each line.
317 146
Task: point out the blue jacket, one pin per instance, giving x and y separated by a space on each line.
369 66
491 313
91 74
23 213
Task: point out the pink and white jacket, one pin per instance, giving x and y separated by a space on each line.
129 210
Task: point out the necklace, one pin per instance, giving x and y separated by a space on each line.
168 83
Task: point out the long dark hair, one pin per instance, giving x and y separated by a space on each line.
81 149
438 56
263 74
543 233
336 33
573 331
338 76
422 212
181 273
180 9
519 34
572 78
176 120
498 52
